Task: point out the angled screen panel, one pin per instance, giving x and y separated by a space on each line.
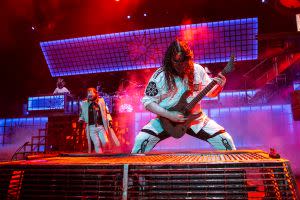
53 102
211 42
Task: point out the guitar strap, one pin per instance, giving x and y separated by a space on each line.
163 135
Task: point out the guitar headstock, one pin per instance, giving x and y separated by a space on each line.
230 66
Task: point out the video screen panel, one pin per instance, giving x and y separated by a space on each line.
212 42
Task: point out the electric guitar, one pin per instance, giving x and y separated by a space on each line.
177 130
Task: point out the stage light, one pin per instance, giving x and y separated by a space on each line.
128 16
145 15
33 28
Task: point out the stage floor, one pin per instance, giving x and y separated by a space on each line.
196 157
241 174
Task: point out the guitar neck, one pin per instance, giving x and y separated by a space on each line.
202 94
226 70
199 96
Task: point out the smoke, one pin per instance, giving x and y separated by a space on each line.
132 88
192 35
129 95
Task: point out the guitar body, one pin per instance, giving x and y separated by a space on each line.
175 129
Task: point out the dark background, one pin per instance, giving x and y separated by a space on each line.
24 71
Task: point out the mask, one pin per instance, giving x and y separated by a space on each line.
179 63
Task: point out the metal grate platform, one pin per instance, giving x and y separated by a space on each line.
198 175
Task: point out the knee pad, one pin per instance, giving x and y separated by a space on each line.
222 141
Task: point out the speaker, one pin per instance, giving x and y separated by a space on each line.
61 133
296 105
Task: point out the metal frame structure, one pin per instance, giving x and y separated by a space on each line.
198 175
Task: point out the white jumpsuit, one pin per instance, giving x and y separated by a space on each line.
202 128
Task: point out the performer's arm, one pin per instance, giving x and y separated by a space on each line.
107 113
171 115
110 122
81 116
55 91
205 79
67 91
221 80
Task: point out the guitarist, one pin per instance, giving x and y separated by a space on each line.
177 75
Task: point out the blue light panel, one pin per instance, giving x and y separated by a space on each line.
9 127
55 102
296 85
212 42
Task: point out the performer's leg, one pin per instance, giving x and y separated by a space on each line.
215 135
144 142
102 135
148 137
95 138
222 141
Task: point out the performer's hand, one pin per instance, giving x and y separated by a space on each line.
80 124
110 123
220 79
176 116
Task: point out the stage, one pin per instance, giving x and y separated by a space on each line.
188 175
78 65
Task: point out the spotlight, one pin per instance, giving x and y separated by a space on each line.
128 16
145 14
33 28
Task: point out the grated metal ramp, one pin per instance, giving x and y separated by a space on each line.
196 175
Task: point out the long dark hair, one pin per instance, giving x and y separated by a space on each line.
170 72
